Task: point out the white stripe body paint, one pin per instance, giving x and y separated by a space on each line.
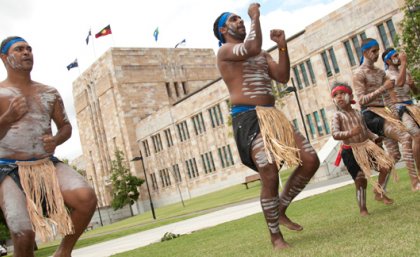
271 211
256 81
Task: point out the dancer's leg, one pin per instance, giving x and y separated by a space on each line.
298 179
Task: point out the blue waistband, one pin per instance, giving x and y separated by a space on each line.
236 109
12 161
407 102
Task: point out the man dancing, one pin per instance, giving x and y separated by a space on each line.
34 185
406 110
264 137
372 89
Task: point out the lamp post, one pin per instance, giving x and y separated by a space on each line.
293 89
140 158
97 204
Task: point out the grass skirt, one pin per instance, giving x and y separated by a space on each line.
278 137
40 185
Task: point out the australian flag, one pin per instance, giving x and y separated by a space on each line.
73 65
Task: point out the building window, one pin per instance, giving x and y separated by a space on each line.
192 168
325 121
176 173
176 89
326 64
334 60
208 162
157 143
168 137
311 71
392 31
183 131
198 122
305 75
297 76
356 45
225 156
168 89
295 124
384 37
154 181
184 87
146 148
318 123
311 124
349 52
165 178
363 35
216 116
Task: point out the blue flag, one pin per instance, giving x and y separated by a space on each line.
180 43
156 33
73 65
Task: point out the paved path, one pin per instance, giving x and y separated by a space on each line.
227 214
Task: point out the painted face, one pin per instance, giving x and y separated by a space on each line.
236 28
341 99
372 53
395 59
20 56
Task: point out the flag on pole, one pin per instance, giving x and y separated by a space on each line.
105 31
87 38
180 43
73 65
156 33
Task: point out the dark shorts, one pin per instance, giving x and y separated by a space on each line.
374 122
245 129
351 163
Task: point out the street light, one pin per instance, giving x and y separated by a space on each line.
97 204
293 89
140 158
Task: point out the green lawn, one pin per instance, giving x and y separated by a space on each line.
332 225
165 215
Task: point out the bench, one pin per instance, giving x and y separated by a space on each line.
251 178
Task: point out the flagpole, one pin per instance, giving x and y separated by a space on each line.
93 47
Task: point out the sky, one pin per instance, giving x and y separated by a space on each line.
57 30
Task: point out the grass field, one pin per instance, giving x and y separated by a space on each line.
332 225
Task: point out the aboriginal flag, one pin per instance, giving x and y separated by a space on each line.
105 31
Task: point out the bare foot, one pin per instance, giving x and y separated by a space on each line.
364 213
383 198
285 221
416 187
280 244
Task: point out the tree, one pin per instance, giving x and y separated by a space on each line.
80 171
411 37
124 185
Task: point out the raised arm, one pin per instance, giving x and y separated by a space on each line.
400 79
239 51
279 71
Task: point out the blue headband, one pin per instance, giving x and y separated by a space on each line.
6 47
366 46
221 23
388 56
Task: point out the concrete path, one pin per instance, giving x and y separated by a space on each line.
239 211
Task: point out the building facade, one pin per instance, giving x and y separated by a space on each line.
172 107
119 90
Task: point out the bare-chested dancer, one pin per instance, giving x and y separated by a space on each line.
407 111
358 142
261 132
371 87
26 110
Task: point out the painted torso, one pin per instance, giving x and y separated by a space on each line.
24 138
402 93
344 121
